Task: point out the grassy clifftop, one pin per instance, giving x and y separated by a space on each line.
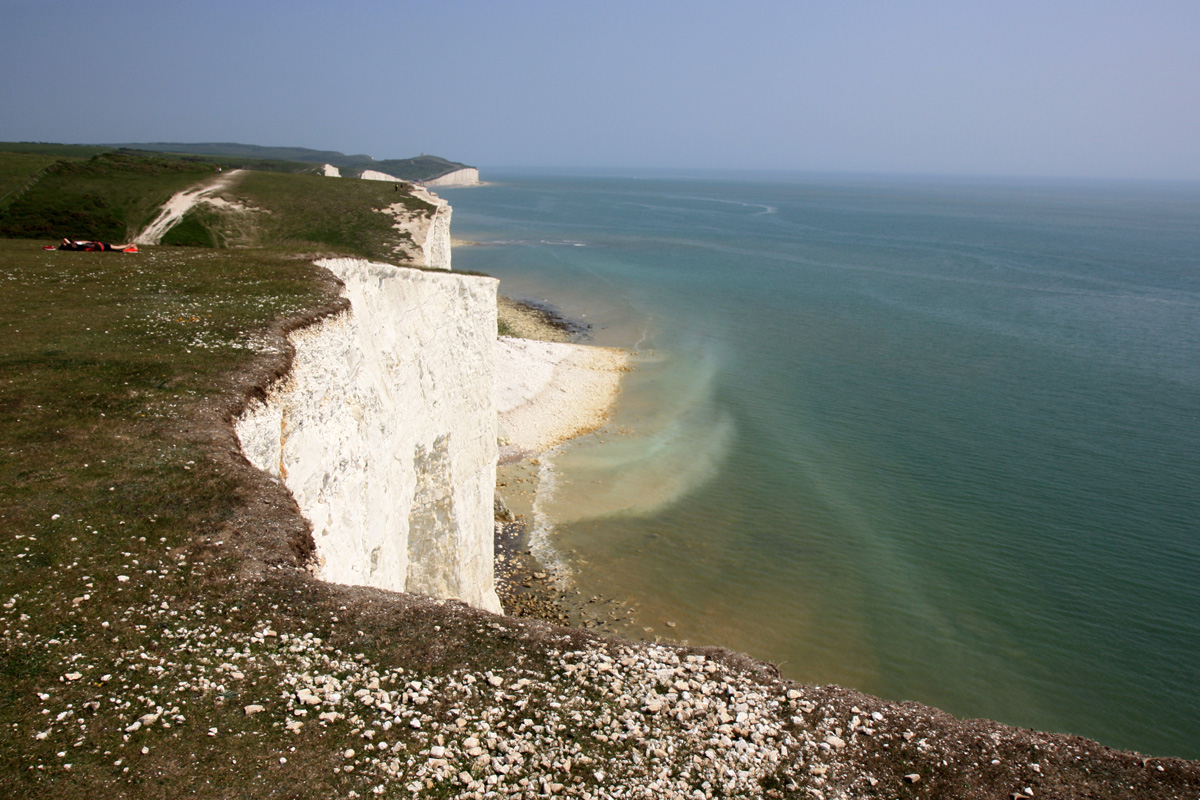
114 195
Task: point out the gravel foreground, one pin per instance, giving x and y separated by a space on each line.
469 705
274 684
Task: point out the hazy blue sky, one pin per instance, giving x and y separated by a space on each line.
1106 88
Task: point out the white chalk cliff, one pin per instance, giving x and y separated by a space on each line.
468 176
385 432
429 233
376 175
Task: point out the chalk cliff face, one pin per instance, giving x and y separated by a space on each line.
376 175
384 431
434 240
460 177
429 232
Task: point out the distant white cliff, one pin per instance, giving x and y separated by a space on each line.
384 431
376 175
460 177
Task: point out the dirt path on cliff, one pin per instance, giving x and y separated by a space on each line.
181 203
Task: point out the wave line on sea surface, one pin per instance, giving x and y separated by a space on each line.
543 525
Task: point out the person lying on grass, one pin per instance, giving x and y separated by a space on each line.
71 244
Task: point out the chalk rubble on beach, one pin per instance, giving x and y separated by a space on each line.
549 392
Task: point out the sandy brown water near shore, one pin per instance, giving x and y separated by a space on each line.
565 405
548 391
529 588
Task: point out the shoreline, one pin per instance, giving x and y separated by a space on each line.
529 320
549 389
550 392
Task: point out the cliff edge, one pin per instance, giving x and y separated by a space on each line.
428 235
385 432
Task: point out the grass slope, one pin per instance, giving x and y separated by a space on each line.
17 173
304 212
110 196
105 358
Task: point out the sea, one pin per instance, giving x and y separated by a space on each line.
934 439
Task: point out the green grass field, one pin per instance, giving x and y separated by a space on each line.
106 358
301 212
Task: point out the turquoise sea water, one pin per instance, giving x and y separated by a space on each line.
934 440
